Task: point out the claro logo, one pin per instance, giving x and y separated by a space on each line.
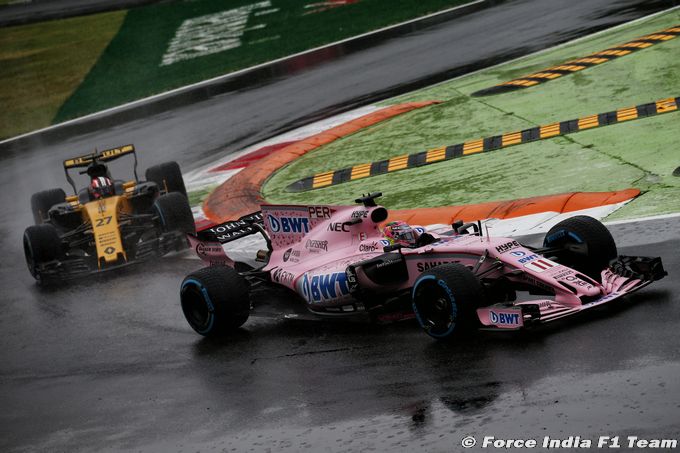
368 247
288 224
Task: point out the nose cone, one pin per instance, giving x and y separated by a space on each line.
582 287
590 290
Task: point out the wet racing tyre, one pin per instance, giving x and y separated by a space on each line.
41 203
586 244
174 213
215 300
445 300
41 245
168 177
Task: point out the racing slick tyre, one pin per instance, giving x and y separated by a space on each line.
41 245
215 300
586 244
445 300
41 203
168 177
174 213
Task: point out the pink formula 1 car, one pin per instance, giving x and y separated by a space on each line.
338 261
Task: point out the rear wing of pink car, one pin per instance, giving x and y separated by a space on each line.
207 243
232 229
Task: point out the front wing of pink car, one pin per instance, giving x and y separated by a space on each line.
625 276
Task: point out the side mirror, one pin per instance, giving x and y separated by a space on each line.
369 200
463 229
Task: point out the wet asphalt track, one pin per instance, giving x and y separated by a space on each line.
111 365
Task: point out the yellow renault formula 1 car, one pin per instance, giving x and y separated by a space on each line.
109 223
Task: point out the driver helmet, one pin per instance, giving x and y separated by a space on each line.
101 187
400 232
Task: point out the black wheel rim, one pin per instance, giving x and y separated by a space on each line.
195 308
435 309
570 242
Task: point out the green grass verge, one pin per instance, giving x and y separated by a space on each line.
641 153
42 64
131 66
196 197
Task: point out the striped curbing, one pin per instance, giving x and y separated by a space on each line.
240 194
496 142
580 64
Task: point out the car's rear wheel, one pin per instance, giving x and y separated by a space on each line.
41 245
174 213
586 244
445 300
41 202
168 177
215 300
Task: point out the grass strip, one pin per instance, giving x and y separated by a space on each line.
42 64
579 64
632 154
487 144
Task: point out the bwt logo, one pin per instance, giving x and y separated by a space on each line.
288 224
324 287
506 319
526 259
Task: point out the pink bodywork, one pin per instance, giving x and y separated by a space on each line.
312 246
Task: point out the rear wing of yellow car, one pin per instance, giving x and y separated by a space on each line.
107 155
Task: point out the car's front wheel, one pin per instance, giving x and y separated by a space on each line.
41 245
168 177
583 243
174 213
445 300
41 202
215 300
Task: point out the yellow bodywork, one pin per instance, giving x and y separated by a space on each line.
103 214
103 217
